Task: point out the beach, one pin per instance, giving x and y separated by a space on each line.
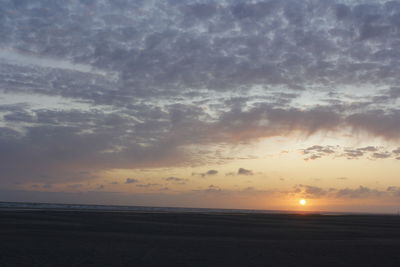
100 238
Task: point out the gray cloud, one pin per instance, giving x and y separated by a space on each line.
394 190
211 189
162 47
207 173
369 152
147 185
394 92
211 172
243 171
377 122
308 191
396 151
317 151
131 181
280 31
362 191
383 155
176 180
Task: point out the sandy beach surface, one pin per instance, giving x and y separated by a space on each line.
98 238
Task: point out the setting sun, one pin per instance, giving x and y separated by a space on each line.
302 202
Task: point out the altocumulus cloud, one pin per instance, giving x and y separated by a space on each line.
226 72
368 152
309 191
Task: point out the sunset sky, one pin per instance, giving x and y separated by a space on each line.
214 104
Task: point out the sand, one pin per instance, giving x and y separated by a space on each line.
93 238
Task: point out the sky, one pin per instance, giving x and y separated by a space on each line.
213 104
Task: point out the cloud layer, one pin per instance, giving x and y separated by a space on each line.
308 191
154 84
369 152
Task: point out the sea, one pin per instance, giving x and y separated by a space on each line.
120 208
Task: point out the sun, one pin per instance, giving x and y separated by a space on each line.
302 202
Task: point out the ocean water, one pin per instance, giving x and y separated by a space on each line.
118 208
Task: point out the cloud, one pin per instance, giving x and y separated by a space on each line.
396 151
266 28
308 191
147 185
240 171
394 190
394 92
142 84
317 151
369 152
243 171
267 121
211 172
176 180
131 181
377 122
383 155
353 153
207 173
211 189
360 192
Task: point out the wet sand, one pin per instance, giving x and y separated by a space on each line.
93 238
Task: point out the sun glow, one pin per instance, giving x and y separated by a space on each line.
302 202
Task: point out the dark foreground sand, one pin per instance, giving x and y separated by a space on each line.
84 238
